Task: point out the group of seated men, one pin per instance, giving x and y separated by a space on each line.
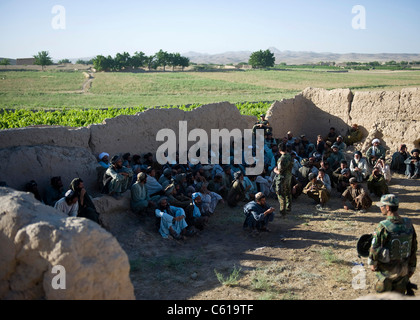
183 197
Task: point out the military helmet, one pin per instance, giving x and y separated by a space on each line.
388 200
363 245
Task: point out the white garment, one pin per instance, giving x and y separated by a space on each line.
62 206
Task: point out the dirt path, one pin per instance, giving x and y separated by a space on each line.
309 255
88 82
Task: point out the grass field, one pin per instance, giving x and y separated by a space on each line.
51 89
64 91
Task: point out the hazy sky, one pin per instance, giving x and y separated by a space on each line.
216 26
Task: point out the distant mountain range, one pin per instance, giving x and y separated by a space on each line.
299 57
286 56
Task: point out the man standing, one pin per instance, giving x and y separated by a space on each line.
392 254
283 180
258 214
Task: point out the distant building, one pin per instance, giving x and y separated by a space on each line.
25 62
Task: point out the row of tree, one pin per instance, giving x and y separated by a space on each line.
140 60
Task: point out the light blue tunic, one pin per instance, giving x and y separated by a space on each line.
166 221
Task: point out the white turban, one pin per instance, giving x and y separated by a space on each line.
375 141
103 154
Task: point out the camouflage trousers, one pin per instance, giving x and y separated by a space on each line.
393 278
284 194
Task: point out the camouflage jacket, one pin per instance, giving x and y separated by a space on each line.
394 242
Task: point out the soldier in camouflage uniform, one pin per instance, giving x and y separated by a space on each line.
283 180
392 254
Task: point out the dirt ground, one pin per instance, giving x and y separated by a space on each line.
310 255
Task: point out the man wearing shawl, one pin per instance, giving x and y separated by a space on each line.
359 167
258 214
375 152
171 220
194 213
86 208
413 164
117 179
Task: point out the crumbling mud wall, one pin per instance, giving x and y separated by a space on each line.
43 152
35 239
392 116
40 153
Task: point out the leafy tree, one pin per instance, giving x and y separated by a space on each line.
184 62
5 62
102 63
162 58
262 59
138 60
151 62
63 61
43 59
122 61
80 61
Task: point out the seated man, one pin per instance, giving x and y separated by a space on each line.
217 185
307 167
166 178
171 220
171 193
325 178
359 167
104 160
236 192
250 187
86 208
335 157
140 198
398 158
315 189
340 143
343 180
377 184
194 213
375 152
258 214
353 135
413 164
117 179
153 186
209 199
357 196
262 124
337 172
32 187
54 191
331 136
68 204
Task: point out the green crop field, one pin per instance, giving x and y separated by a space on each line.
64 91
